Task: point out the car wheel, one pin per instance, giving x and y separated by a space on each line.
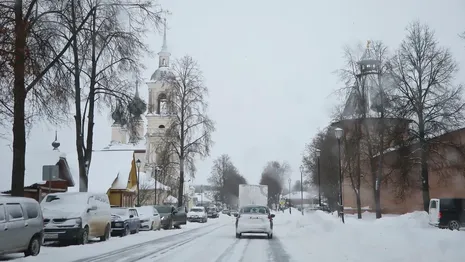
454 225
84 238
151 227
34 247
238 235
106 236
137 229
270 236
126 231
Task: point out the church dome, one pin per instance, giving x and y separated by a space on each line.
160 73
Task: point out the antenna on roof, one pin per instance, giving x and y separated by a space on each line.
55 143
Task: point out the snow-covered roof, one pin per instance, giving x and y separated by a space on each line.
34 162
203 197
106 169
170 200
296 195
146 181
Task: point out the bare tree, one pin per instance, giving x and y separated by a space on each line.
423 73
102 56
190 131
326 142
31 47
273 175
226 179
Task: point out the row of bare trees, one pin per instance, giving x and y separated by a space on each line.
402 101
225 178
60 54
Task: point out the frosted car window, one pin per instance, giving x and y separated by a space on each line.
14 211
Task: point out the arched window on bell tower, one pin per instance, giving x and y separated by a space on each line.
162 105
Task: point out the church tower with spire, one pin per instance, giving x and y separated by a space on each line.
158 116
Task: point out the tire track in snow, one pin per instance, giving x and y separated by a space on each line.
276 251
128 251
228 252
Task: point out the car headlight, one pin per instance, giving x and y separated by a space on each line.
163 218
77 222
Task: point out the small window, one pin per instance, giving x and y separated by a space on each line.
433 204
2 213
14 211
32 210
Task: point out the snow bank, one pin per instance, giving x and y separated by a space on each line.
392 238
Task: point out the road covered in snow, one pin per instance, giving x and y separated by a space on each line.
315 236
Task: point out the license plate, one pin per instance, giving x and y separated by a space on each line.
50 236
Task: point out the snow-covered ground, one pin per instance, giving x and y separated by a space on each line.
316 236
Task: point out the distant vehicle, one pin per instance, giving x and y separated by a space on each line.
235 213
21 226
212 212
197 214
149 218
168 217
124 221
226 212
447 213
253 195
254 219
74 217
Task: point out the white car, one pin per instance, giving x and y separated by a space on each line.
149 218
254 219
197 214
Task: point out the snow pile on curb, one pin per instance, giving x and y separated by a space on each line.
417 219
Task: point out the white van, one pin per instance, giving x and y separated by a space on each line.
76 217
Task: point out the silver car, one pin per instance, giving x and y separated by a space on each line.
21 226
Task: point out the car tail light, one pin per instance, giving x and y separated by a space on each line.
439 215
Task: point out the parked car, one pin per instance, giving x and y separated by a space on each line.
197 214
226 212
74 217
235 213
447 213
212 212
254 219
167 214
124 221
21 226
149 218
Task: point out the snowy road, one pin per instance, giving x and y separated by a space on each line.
317 236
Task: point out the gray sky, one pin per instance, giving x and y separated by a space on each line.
269 65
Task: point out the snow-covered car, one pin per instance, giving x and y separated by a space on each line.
254 219
197 214
124 221
149 218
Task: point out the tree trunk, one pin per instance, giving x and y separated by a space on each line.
357 193
181 182
424 176
19 92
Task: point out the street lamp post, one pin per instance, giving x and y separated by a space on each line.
138 186
339 132
157 169
318 153
289 180
301 190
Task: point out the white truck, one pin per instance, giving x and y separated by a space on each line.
253 195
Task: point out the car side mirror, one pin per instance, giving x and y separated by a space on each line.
131 216
92 208
175 211
155 215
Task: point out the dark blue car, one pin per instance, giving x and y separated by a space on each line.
124 221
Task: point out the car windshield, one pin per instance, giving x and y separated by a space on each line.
65 199
196 210
119 211
144 211
163 209
254 210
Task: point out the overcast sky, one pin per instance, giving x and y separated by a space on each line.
269 66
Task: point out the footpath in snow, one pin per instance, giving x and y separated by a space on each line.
319 236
